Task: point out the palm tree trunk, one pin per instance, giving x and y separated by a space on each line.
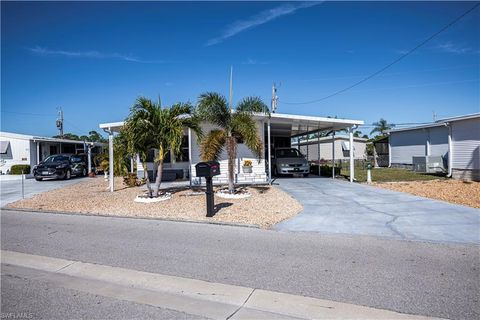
232 154
147 179
158 179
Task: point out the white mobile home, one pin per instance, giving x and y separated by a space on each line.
456 140
30 150
276 130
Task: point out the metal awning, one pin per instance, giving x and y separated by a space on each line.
4 146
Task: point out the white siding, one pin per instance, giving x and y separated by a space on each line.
466 144
406 144
18 152
243 153
326 149
438 141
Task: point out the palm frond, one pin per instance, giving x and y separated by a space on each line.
213 107
212 145
253 104
245 128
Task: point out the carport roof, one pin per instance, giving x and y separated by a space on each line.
282 124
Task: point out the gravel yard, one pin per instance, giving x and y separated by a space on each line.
454 191
267 206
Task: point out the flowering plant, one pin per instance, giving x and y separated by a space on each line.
247 163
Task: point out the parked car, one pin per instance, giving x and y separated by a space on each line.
289 161
61 166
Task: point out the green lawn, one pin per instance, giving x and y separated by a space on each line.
389 174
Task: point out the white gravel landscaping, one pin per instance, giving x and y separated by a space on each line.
266 206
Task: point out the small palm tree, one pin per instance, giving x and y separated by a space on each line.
232 126
381 127
149 126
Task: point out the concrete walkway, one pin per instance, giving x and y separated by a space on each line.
337 206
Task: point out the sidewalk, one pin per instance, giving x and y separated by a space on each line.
196 297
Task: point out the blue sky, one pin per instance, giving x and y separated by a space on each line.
93 59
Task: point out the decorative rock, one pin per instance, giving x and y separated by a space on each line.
147 199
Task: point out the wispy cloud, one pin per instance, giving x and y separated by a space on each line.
259 19
89 54
252 62
450 47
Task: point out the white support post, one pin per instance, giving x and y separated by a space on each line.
110 160
190 155
352 164
269 153
89 153
38 152
132 164
450 151
333 155
389 152
318 142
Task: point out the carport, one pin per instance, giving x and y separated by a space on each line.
279 129
284 127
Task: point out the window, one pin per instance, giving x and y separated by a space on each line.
288 153
56 159
76 159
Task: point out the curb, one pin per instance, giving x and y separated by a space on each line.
221 223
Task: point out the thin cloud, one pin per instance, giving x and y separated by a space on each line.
89 54
259 19
252 62
450 47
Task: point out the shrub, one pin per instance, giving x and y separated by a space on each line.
326 170
20 168
131 180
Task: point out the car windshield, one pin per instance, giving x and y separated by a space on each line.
288 153
55 159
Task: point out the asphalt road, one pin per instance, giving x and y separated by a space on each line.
432 279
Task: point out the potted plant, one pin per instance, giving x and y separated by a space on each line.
247 166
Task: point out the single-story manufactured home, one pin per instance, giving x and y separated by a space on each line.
455 140
276 130
335 147
30 150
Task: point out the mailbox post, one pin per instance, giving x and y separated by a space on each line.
208 170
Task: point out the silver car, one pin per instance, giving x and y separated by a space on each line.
289 161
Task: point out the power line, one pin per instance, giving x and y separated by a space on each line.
393 62
29 114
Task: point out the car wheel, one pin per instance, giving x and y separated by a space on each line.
38 179
68 175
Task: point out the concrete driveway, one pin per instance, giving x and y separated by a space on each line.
11 187
336 206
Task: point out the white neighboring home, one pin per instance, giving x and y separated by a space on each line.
456 140
276 130
310 148
30 150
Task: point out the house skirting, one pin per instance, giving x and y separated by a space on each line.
402 166
466 174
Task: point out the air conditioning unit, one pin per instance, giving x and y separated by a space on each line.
428 164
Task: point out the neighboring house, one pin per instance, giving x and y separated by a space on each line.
456 140
30 150
278 129
310 148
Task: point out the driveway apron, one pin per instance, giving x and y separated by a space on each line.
338 206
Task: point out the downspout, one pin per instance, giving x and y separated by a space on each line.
450 150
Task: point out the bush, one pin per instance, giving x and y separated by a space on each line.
20 168
327 171
131 180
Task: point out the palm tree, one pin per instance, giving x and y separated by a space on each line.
149 126
381 126
232 126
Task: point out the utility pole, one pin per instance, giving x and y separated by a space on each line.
274 98
59 121
434 116
231 87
